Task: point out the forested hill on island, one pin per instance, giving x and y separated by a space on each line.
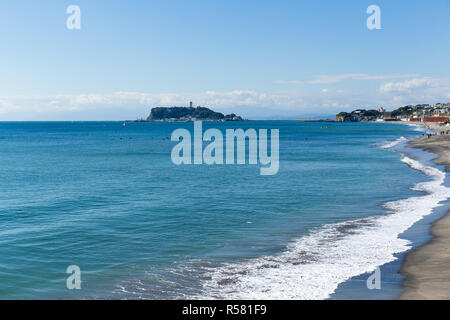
162 114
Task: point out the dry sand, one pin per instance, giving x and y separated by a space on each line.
427 269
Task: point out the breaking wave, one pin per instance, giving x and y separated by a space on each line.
313 266
391 144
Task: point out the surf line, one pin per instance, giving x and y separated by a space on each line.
214 151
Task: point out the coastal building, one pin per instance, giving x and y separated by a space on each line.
435 119
418 113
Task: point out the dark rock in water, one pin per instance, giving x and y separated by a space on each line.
232 117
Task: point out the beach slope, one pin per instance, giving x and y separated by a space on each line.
427 268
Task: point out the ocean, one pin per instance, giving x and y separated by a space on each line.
106 197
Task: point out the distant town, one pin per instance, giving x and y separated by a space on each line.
418 113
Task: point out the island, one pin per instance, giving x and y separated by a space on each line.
358 115
186 114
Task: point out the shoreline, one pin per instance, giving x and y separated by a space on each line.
426 267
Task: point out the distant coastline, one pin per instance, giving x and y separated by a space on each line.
440 112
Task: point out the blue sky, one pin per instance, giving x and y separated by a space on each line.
260 59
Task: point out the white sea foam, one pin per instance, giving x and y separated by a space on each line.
391 144
313 266
420 128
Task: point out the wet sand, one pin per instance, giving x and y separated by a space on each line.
439 145
427 268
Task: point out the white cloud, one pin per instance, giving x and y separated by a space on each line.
335 78
426 89
123 100
407 85
249 103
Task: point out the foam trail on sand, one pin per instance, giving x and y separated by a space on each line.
392 144
313 266
420 128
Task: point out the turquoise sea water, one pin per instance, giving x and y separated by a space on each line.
108 198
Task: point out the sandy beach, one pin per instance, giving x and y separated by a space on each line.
426 268
439 144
